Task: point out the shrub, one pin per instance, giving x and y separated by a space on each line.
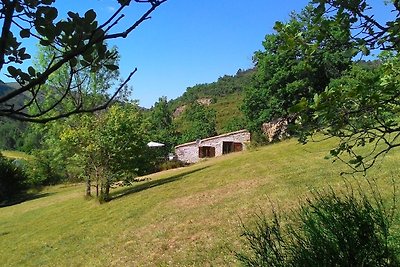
329 229
12 180
45 170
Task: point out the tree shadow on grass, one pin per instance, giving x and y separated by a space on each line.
151 184
23 198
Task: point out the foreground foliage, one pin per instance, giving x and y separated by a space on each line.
329 229
299 60
361 106
78 43
12 180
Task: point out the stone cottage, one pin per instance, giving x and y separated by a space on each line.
213 146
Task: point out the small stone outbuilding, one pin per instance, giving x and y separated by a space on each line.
213 146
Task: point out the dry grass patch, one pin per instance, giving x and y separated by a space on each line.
212 197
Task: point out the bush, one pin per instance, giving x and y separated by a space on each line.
12 180
328 230
45 170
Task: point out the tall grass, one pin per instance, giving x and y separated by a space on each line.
346 228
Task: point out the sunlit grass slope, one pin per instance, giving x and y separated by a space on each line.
15 155
185 217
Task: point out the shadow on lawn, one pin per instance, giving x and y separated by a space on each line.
151 184
23 198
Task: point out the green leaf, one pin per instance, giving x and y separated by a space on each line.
111 67
73 62
25 76
31 71
72 15
25 56
25 33
13 71
47 2
51 13
316 99
98 34
45 42
90 15
18 7
300 106
124 2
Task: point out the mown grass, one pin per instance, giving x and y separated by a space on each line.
184 217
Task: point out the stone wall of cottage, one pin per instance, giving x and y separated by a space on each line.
190 152
216 142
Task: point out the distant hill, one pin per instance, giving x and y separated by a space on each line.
225 96
7 87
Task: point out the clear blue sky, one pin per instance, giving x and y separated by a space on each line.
188 42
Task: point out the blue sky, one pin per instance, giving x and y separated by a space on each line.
189 42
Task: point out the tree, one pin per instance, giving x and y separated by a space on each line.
299 60
13 180
50 162
109 146
362 107
53 161
198 122
368 31
79 40
161 127
11 133
91 86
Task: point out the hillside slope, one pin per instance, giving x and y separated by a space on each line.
225 95
184 217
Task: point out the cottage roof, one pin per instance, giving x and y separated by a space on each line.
213 137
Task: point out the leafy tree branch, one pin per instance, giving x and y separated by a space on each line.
78 40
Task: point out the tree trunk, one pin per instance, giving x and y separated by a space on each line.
97 182
88 187
107 190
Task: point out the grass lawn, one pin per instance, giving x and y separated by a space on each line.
184 217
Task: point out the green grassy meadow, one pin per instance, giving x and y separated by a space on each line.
182 217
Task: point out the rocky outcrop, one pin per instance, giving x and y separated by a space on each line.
277 129
178 111
202 101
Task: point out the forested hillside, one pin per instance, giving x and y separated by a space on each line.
224 86
224 96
